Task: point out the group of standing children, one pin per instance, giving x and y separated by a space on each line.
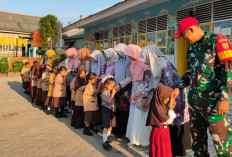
117 92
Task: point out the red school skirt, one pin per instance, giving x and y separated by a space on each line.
160 143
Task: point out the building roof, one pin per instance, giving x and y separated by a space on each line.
74 34
118 10
12 22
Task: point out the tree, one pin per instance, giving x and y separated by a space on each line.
48 26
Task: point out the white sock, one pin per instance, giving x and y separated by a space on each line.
104 137
49 108
59 109
108 133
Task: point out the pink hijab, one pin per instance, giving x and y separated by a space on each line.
84 54
73 58
137 68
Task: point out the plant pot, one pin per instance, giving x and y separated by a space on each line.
3 75
13 74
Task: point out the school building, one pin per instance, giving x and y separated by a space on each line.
146 22
74 38
16 34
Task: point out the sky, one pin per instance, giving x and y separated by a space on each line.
66 10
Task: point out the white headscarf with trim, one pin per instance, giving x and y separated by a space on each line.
99 61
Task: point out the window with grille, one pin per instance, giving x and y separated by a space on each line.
128 29
105 34
101 35
151 38
122 34
115 32
115 42
162 39
222 10
98 39
151 25
96 35
122 31
203 13
162 22
209 12
121 40
106 44
128 40
181 14
142 26
142 40
101 45
216 14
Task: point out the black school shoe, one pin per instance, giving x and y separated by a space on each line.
107 146
87 132
95 130
42 107
47 112
58 115
91 127
63 115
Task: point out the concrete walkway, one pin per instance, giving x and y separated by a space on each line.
26 131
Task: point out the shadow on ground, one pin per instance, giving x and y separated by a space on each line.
17 87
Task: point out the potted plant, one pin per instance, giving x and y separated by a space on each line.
3 67
16 68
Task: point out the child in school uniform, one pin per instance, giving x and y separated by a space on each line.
73 92
91 109
45 84
34 75
68 91
78 112
48 102
25 74
108 110
59 93
39 87
159 117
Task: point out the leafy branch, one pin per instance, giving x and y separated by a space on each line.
48 26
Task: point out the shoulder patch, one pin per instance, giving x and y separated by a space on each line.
224 50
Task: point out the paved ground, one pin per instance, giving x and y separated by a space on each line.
27 131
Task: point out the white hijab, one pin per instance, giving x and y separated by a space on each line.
111 56
120 48
122 66
152 56
100 61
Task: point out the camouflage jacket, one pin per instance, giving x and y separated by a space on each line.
209 66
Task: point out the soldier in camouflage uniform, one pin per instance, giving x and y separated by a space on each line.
209 76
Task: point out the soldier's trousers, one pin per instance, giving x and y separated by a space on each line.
219 129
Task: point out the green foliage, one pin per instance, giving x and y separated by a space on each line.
17 66
48 26
4 65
